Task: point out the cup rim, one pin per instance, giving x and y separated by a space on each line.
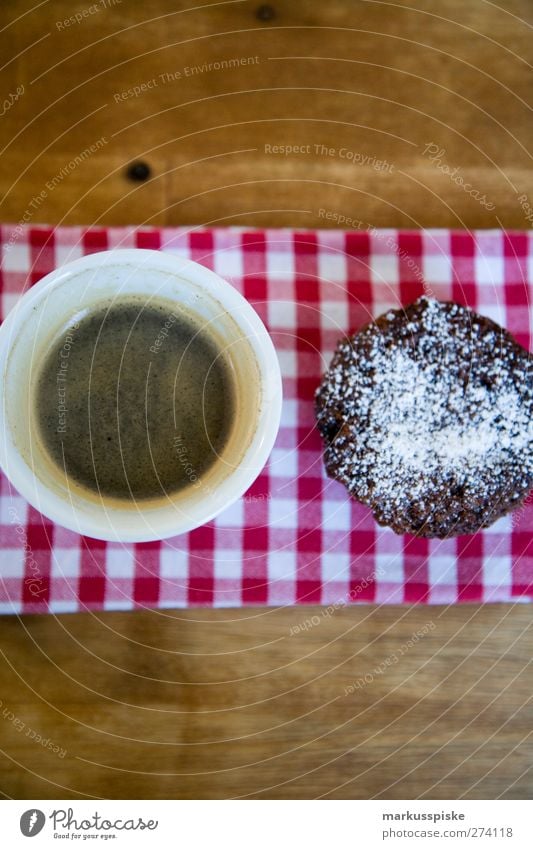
49 503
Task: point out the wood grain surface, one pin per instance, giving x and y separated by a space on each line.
269 703
378 81
385 107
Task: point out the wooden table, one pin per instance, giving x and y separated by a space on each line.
379 102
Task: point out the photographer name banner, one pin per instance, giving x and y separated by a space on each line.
263 824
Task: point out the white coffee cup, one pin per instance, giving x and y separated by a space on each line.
35 321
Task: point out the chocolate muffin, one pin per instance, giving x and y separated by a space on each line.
426 416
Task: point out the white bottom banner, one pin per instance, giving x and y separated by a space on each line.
262 824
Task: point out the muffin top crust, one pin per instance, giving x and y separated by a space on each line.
426 415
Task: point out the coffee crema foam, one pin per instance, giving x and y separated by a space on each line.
135 400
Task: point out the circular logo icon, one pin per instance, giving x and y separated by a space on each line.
32 822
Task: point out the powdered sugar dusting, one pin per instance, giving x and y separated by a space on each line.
426 408
419 430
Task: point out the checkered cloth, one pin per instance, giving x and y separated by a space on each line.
295 537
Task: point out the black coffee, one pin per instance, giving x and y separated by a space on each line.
135 401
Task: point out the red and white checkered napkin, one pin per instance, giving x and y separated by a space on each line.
295 537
